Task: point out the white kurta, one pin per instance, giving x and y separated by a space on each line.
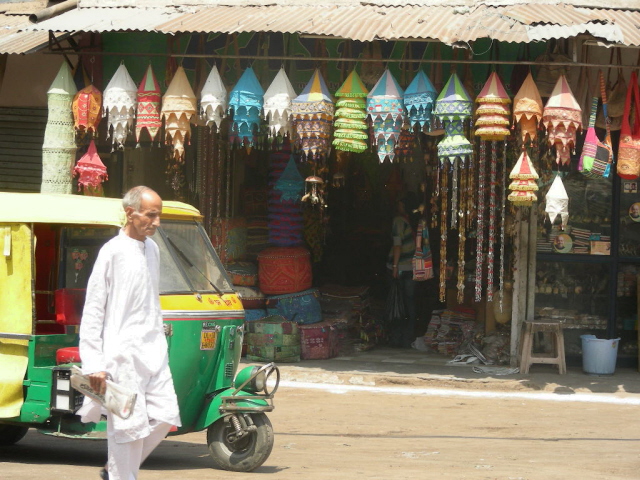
122 333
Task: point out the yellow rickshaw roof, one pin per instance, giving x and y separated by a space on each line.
76 209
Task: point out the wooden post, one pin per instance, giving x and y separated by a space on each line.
517 292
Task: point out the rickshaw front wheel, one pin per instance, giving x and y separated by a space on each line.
10 434
242 454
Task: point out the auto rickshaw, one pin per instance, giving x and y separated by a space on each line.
48 244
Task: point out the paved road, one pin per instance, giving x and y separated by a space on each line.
381 434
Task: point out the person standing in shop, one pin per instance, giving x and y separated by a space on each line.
400 264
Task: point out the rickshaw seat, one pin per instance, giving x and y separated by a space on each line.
69 305
68 355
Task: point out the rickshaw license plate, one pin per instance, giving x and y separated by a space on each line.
208 339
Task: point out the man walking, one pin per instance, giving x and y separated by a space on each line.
122 336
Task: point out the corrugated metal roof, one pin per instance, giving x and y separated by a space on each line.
109 19
521 23
14 38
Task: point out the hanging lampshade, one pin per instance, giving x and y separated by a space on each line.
557 202
527 109
148 106
562 117
313 112
178 109
91 171
245 101
290 184
120 102
453 107
87 109
385 107
524 178
213 99
350 133
277 105
491 122
419 99
59 146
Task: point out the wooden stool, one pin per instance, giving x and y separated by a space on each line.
556 357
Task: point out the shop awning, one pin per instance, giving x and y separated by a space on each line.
449 22
15 36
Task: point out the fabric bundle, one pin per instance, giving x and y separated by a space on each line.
213 99
59 146
277 105
178 109
148 97
527 109
419 99
562 117
385 107
350 133
91 171
313 112
245 101
120 102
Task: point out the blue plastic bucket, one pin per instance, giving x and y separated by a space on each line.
598 355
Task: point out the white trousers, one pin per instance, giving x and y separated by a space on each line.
125 458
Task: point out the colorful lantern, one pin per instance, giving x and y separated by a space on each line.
91 171
386 110
491 125
527 109
213 99
87 109
453 107
290 184
178 109
277 105
350 134
562 117
524 178
120 99
59 146
419 99
313 112
557 202
245 101
148 106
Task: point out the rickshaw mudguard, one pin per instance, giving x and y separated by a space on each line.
212 411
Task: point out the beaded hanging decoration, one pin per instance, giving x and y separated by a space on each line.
491 125
453 107
443 234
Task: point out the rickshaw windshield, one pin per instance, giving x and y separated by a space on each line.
187 260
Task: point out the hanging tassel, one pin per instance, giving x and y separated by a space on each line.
443 234
461 239
480 222
492 218
454 193
503 209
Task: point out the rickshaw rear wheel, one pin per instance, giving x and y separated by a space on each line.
10 434
244 454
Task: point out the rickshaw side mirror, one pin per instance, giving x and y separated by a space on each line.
69 305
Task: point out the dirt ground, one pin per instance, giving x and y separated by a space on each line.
360 435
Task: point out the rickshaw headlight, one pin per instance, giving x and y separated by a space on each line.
245 381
